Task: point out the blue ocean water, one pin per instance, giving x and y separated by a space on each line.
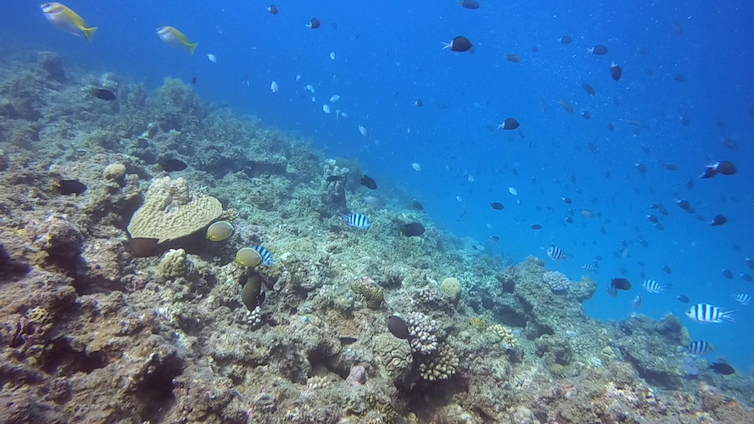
389 54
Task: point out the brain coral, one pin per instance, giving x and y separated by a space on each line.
451 288
171 211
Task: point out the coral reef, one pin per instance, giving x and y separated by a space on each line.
93 333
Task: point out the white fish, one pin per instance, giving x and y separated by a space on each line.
489 226
343 114
298 77
310 88
326 108
417 167
314 99
334 98
459 198
513 191
332 55
212 58
274 87
363 131
471 178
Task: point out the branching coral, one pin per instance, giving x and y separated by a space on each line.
422 330
440 366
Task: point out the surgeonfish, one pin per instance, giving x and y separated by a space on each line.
557 254
67 20
357 220
704 312
175 39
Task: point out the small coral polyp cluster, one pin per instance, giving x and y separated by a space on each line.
118 295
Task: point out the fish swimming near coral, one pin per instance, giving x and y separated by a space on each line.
68 187
172 165
104 94
175 39
252 294
67 20
398 327
142 247
706 313
620 284
357 220
722 368
368 182
412 230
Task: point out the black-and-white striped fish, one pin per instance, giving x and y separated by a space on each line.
266 255
590 267
704 312
700 347
357 220
742 298
653 286
557 254
612 291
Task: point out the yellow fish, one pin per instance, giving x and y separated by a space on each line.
67 20
176 39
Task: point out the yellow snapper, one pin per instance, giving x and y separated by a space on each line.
67 20
175 39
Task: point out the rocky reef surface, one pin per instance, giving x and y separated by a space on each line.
97 328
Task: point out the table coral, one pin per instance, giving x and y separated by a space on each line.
172 211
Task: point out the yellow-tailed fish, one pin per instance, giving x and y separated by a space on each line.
175 39
67 20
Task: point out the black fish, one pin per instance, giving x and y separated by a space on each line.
494 238
727 274
749 263
536 227
368 182
567 200
510 124
667 269
459 44
469 4
333 178
599 50
272 9
719 220
412 229
722 368
679 77
586 114
103 94
620 284
172 165
641 168
683 298
418 103
747 277
610 126
566 39
193 80
589 89
497 206
252 294
398 327
142 247
684 204
668 166
315 23
68 187
653 219
418 206
616 72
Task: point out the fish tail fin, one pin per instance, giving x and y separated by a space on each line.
88 32
727 317
446 45
192 47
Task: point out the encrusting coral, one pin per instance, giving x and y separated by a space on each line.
172 211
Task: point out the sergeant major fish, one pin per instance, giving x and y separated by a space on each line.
266 255
704 312
742 298
557 254
652 286
700 347
357 220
